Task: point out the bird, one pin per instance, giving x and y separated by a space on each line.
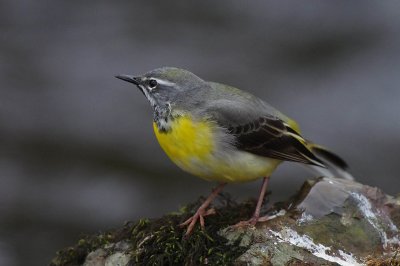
221 133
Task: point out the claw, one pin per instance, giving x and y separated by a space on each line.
210 212
251 222
199 215
264 219
202 212
186 222
202 221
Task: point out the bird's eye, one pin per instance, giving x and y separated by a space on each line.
153 83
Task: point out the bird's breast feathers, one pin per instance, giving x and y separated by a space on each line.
204 149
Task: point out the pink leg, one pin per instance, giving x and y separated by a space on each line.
256 215
201 211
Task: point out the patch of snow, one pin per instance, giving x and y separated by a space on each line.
366 208
305 218
290 236
348 257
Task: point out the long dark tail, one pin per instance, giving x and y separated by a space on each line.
336 166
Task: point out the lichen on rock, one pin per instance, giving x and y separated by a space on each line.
339 221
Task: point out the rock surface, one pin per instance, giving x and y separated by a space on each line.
329 222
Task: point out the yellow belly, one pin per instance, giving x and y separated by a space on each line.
195 147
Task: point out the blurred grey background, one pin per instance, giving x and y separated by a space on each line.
77 151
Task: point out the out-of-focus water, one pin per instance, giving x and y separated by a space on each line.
77 151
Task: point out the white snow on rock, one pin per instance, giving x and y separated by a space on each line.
303 241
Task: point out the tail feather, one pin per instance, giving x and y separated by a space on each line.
333 162
325 154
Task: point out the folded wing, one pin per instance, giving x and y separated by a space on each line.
259 132
272 137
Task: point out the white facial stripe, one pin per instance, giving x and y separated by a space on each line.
148 96
164 82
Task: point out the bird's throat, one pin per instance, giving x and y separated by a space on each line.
162 118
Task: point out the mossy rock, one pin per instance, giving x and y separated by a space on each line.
329 222
162 241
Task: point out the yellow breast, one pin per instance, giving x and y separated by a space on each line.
187 141
198 148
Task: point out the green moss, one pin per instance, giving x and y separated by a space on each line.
76 255
162 242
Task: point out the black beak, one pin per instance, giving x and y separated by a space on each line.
128 78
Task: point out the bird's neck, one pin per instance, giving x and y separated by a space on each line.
162 116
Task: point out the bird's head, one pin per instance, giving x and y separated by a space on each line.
163 86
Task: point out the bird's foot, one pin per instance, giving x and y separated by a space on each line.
251 222
199 215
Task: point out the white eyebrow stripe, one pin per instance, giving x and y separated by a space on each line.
164 82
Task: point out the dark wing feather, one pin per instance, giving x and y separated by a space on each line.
257 127
271 137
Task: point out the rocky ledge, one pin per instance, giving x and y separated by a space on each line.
329 222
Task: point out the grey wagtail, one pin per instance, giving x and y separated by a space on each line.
220 133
